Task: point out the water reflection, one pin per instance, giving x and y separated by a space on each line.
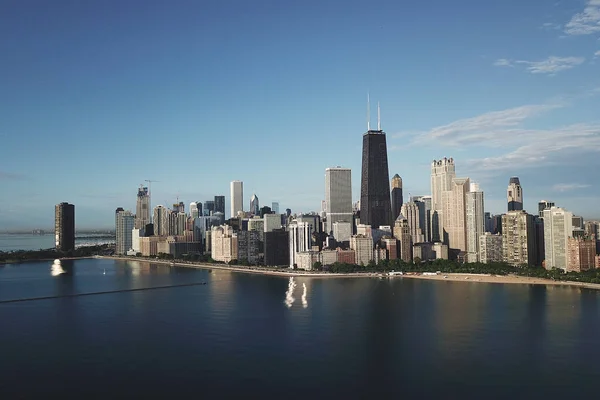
304 301
289 294
56 268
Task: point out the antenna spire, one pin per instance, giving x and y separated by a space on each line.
368 112
378 118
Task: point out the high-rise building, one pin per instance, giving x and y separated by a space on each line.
124 225
224 245
300 237
338 196
442 173
544 205
220 204
194 210
578 222
475 222
514 194
558 228
275 207
64 226
161 220
254 205
591 229
237 197
142 209
454 214
363 249
424 205
397 198
375 204
402 233
581 254
342 231
490 248
209 207
277 247
518 238
412 214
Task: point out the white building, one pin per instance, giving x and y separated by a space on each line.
338 196
237 197
490 248
300 236
558 228
475 222
224 245
135 240
124 224
363 248
442 173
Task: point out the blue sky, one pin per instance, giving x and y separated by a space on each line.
97 96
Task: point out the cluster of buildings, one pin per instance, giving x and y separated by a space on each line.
450 222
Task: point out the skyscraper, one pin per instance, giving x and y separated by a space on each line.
442 173
254 205
518 238
514 194
475 222
411 212
375 204
161 221
454 214
338 196
544 205
275 207
142 210
64 226
209 207
194 210
558 228
124 225
220 204
424 204
237 197
397 198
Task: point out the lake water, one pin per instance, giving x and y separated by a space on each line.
236 336
10 242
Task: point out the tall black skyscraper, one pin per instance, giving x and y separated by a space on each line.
375 205
64 226
220 204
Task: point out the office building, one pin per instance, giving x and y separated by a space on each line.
254 205
578 223
402 234
277 248
272 222
558 228
300 239
475 222
544 205
224 246
412 214
194 210
161 220
514 194
424 205
581 254
142 209
375 204
64 226
342 231
220 204
209 208
275 207
490 248
237 197
124 225
363 249
518 241
397 197
454 215
338 196
442 173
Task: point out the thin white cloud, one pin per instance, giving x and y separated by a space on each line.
597 54
565 187
551 65
586 22
551 26
505 132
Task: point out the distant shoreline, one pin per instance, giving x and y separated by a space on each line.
448 277
42 259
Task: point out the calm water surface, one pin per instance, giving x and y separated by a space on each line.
235 336
10 242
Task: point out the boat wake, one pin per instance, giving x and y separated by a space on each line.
289 294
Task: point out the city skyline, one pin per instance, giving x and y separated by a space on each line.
515 110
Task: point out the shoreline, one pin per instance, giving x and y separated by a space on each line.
2 263
448 277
